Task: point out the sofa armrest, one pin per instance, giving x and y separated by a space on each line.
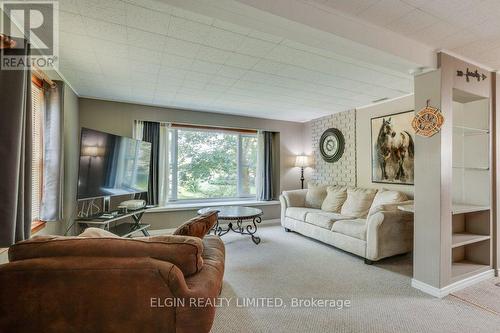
389 233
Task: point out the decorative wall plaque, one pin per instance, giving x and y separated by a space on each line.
475 74
427 121
331 145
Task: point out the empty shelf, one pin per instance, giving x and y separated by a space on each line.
470 168
460 239
472 130
466 208
464 267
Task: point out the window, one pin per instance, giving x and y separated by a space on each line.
37 144
212 163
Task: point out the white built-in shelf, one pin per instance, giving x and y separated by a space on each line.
466 208
461 239
470 168
464 267
456 208
471 130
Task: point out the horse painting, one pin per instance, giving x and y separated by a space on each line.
393 151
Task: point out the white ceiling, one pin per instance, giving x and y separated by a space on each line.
148 52
470 28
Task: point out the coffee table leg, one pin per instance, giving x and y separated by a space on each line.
252 229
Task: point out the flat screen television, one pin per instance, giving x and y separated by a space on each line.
112 165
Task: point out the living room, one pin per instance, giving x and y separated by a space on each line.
237 165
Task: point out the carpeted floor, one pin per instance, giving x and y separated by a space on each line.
288 265
485 294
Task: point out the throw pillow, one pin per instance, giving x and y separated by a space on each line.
97 233
385 198
198 226
335 198
358 202
315 196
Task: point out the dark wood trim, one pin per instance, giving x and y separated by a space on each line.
36 226
213 128
37 81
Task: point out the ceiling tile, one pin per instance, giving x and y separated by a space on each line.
148 20
187 30
109 11
255 47
105 30
213 55
181 47
412 22
205 67
71 23
147 40
350 6
223 39
385 11
241 61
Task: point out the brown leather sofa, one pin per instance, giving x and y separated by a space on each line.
75 284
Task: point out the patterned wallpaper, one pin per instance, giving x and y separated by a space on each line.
342 172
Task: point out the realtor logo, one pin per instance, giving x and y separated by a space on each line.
34 23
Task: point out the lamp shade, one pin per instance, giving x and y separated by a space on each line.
92 151
302 161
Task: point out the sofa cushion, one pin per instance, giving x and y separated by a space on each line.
358 202
386 197
315 196
335 198
198 226
354 228
183 251
324 219
299 213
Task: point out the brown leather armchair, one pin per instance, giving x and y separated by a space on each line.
74 284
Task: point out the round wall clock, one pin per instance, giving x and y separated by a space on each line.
331 145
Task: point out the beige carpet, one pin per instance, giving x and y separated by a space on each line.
484 294
288 265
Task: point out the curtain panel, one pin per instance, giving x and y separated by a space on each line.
15 150
267 166
157 134
51 208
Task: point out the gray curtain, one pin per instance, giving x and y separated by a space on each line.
151 133
15 151
51 208
269 188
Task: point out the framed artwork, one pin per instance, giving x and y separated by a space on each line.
393 148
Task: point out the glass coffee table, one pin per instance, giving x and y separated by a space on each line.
238 214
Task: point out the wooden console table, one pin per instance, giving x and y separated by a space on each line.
121 229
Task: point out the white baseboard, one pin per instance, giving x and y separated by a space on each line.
158 232
442 292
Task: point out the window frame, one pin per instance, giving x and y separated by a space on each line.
174 182
36 223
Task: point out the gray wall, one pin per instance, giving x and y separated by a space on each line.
118 118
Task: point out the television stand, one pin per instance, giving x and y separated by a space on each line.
126 229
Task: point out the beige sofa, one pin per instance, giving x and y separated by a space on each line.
382 232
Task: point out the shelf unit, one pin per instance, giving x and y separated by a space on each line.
471 187
454 236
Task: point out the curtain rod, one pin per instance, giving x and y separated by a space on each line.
7 42
42 76
225 129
